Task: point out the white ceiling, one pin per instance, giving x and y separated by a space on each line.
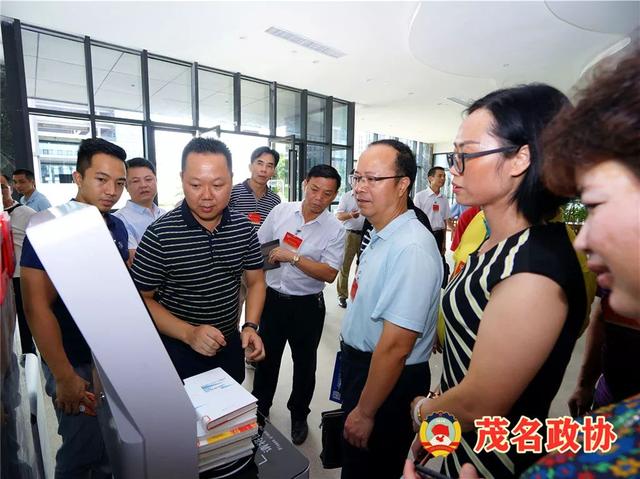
403 59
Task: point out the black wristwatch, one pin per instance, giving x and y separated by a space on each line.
250 325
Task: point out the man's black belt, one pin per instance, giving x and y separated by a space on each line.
291 297
355 231
355 354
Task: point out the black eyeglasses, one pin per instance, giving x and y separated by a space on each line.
457 159
370 180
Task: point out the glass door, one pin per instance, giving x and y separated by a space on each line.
287 182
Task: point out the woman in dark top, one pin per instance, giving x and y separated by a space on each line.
520 300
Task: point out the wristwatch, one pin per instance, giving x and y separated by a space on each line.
295 259
250 325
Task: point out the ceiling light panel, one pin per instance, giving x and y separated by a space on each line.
305 42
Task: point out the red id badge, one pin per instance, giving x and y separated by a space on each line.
436 207
255 218
354 287
292 240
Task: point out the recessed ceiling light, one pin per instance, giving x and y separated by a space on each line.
305 42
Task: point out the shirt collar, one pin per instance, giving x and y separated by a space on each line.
188 217
433 193
245 183
320 218
108 217
399 221
139 208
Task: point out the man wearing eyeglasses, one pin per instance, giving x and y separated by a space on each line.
389 327
435 205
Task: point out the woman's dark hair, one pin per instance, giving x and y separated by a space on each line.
604 125
325 171
520 114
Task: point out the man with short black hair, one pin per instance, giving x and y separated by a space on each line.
188 267
100 176
435 205
140 211
253 197
310 251
389 327
25 184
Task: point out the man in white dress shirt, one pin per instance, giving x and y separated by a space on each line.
311 245
140 211
435 205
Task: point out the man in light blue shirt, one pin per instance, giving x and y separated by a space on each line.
24 182
389 327
140 211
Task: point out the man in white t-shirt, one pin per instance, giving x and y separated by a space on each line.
435 205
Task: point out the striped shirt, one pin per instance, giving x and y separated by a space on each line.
543 250
244 201
196 273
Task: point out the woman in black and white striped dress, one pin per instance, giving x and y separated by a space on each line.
514 312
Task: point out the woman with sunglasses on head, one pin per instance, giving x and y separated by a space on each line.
519 303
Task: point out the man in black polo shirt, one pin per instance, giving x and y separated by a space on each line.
188 267
100 175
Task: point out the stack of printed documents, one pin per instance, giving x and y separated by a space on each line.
226 418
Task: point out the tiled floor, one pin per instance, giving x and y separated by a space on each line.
326 355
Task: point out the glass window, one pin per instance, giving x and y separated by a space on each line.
128 137
362 141
55 148
117 83
288 112
55 71
254 107
170 92
169 146
7 158
280 181
315 118
315 155
216 100
339 162
339 127
423 167
241 147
